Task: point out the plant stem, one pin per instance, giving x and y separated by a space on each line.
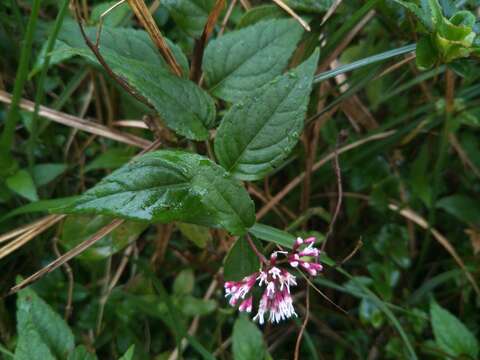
260 256
39 95
6 140
440 163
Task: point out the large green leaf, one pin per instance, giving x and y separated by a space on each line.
181 104
169 185
257 134
247 340
240 261
43 334
77 229
241 61
451 335
126 42
190 15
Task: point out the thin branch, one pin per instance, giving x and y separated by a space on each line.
292 13
146 19
304 325
196 67
227 17
352 253
69 273
338 175
94 48
67 256
260 256
322 294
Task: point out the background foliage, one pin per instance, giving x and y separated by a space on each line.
249 126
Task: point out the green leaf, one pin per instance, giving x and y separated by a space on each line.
182 105
191 306
244 60
427 54
30 345
35 317
58 55
420 177
260 13
240 261
271 234
451 335
369 313
39 206
129 354
125 42
45 173
422 13
110 159
392 241
77 229
189 15
464 208
257 134
114 17
199 235
313 6
81 353
184 282
247 340
22 184
168 185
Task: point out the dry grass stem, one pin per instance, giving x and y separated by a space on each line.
78 123
145 17
26 236
293 14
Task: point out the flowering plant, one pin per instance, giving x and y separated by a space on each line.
276 299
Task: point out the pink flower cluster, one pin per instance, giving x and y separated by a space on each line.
276 299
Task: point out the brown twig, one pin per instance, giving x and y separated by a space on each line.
352 253
304 325
292 13
322 294
338 175
146 19
94 48
227 17
69 274
67 256
196 67
261 257
36 229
